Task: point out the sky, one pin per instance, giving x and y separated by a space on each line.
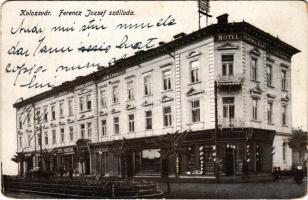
285 19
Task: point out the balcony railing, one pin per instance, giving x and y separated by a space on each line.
230 80
231 123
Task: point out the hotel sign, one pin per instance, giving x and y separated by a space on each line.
227 37
250 40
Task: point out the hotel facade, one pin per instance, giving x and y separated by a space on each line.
155 113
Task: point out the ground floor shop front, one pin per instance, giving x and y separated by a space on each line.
203 153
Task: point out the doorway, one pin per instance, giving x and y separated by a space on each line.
230 160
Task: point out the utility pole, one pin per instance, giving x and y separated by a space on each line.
216 129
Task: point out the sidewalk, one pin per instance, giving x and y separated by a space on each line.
285 189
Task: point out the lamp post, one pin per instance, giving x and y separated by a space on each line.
100 152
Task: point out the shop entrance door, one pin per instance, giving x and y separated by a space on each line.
87 163
259 165
230 160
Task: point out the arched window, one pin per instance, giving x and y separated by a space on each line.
284 148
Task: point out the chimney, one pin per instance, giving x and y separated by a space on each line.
179 35
222 19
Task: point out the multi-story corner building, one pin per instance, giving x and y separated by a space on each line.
125 110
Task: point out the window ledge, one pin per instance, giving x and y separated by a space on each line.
130 100
166 127
165 91
194 83
149 95
258 121
284 90
85 111
114 104
270 86
271 124
286 126
255 81
71 115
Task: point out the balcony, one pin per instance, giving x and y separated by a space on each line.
228 81
231 123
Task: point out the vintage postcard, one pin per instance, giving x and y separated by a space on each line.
154 99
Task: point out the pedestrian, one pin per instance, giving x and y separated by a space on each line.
279 174
245 169
275 174
71 173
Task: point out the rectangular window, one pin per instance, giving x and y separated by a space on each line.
81 102
89 126
82 131
20 141
70 107
284 148
255 109
71 133
148 120
167 116
39 139
147 85
167 80
104 127
53 112
269 75
254 72
130 90
61 110
62 134
89 102
28 120
195 110
194 71
20 122
227 65
116 125
45 115
103 98
284 115
283 80
228 107
115 94
269 112
38 117
29 140
131 123
46 138
54 137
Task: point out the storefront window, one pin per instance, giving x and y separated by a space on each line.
198 160
148 162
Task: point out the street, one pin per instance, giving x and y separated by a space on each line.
285 189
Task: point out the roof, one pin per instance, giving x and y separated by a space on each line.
166 48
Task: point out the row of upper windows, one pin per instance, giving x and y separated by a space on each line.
229 110
86 129
228 65
167 119
147 85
